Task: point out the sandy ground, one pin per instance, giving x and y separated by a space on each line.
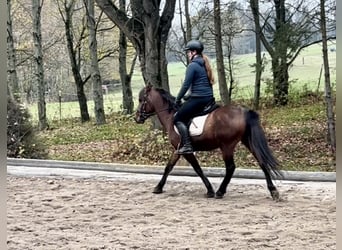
122 213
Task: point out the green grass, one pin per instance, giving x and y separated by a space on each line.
303 77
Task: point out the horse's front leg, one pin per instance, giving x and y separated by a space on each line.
230 168
194 163
169 166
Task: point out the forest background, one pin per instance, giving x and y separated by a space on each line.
297 128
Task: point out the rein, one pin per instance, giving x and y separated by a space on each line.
146 115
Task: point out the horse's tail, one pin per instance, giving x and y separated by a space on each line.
255 140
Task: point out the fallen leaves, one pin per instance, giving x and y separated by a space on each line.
297 136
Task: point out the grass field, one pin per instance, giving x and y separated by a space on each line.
304 75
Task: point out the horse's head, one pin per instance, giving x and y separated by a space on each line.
154 101
145 107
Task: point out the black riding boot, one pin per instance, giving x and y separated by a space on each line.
185 139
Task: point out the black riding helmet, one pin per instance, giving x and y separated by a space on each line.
194 45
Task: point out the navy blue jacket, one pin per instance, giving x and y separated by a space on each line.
196 79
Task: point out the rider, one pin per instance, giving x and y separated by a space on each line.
198 81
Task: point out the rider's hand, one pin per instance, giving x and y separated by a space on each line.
178 102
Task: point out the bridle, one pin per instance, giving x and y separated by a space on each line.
142 111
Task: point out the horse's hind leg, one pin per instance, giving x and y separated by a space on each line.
169 166
273 190
194 163
230 168
271 187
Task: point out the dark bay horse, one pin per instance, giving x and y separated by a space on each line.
223 129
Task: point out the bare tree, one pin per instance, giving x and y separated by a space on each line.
187 31
195 23
328 96
55 66
67 12
180 34
95 71
286 30
219 54
127 97
232 26
148 31
217 27
12 77
38 59
258 63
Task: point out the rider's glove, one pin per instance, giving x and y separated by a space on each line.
178 102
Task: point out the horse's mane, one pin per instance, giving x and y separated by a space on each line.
167 98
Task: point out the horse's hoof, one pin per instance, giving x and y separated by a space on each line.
157 190
219 195
275 195
210 195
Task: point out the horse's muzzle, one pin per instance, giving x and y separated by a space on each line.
139 118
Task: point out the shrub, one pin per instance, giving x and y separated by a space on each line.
21 138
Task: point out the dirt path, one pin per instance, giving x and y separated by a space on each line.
101 213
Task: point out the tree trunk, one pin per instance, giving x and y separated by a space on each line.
224 93
151 72
280 82
95 71
82 99
127 96
328 97
12 77
280 67
38 59
230 68
148 31
187 32
258 64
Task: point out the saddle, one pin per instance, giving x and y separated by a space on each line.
197 123
211 106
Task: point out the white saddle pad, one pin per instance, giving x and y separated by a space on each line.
196 126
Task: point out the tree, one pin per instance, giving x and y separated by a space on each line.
56 68
148 32
187 31
286 30
12 77
225 98
67 12
216 27
258 63
232 26
127 96
38 59
328 96
95 71
177 40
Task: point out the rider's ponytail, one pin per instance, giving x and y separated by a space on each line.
208 68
